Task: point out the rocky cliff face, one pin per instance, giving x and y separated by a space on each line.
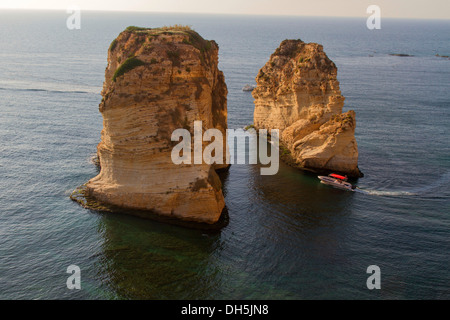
156 81
298 93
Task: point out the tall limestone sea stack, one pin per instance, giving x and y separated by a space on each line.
156 81
298 93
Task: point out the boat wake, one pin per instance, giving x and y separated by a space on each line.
424 190
385 192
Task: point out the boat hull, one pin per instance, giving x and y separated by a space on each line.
336 183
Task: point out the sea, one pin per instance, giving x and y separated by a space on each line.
288 237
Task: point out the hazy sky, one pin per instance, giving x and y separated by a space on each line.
431 9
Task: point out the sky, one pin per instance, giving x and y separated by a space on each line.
431 9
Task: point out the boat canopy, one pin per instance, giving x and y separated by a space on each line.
337 176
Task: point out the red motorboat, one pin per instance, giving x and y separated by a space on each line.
337 181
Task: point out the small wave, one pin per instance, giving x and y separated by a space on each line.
437 184
51 87
50 90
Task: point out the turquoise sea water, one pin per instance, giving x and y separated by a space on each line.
288 236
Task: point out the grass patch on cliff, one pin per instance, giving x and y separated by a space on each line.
129 64
197 41
193 38
284 150
134 29
176 28
113 45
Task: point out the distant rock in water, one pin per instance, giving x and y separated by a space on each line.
447 57
248 88
156 81
400 55
298 93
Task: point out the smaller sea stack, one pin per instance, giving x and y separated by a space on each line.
298 93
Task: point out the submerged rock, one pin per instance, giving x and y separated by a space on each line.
298 93
156 81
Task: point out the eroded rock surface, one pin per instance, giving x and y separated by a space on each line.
298 93
156 81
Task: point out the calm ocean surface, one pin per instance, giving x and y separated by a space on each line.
288 236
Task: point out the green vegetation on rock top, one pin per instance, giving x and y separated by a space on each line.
193 38
129 64
169 29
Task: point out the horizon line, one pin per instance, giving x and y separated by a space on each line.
216 13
